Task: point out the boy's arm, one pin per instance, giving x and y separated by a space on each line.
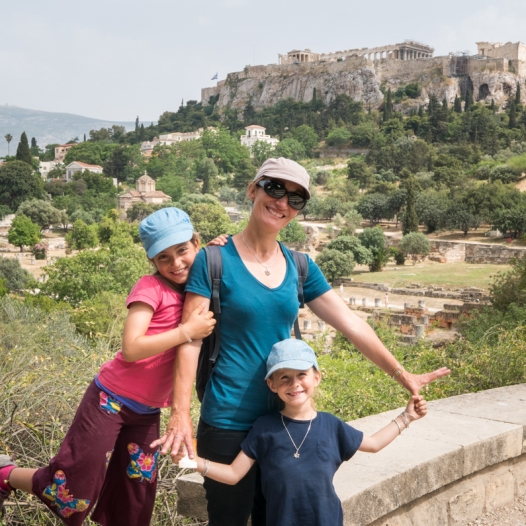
136 345
416 409
225 473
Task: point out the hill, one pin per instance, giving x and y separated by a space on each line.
47 127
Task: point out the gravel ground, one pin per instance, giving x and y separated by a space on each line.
513 514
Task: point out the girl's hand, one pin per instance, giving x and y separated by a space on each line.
221 240
416 407
200 324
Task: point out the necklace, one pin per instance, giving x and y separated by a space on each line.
297 454
266 267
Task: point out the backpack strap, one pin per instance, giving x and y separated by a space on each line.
214 263
303 270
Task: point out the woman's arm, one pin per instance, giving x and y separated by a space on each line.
136 345
180 427
225 473
331 308
416 409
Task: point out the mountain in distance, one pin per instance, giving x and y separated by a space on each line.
47 127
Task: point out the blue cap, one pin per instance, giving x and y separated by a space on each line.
291 354
163 229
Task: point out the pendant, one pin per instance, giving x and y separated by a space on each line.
296 455
267 272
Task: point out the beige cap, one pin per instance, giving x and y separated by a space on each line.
286 170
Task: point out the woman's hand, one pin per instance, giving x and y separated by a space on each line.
414 382
221 240
179 433
200 324
416 407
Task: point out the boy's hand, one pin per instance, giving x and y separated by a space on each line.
200 324
416 407
221 240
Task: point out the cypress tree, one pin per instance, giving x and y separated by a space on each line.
513 115
492 106
33 142
420 111
410 219
457 106
469 100
518 95
22 152
141 132
84 137
388 106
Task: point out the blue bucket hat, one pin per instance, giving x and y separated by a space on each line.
164 228
291 354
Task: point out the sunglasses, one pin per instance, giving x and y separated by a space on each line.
277 191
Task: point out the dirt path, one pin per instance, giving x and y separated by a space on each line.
513 514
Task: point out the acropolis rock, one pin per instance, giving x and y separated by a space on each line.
492 74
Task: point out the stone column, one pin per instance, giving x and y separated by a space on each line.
424 319
421 303
352 301
376 302
364 302
321 325
307 325
407 305
419 331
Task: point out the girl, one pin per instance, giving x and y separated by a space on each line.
298 450
106 457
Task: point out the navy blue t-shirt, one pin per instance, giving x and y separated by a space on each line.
299 491
253 318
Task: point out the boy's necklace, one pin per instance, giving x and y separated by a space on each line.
267 271
297 454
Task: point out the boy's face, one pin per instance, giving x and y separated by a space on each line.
294 387
174 262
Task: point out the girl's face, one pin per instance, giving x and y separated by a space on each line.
275 213
294 387
174 262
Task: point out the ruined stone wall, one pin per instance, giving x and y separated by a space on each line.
455 252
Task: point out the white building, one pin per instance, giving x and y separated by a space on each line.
77 166
255 133
175 137
61 150
46 167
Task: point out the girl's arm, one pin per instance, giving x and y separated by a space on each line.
331 308
180 427
416 409
136 345
225 473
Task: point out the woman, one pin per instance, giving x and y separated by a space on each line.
258 307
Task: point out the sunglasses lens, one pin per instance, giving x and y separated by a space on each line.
277 191
274 189
297 201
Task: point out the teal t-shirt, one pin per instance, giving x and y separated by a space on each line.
253 318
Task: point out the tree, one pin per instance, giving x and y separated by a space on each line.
518 94
335 264
509 288
82 236
261 151
510 220
388 106
338 137
209 220
43 213
457 106
4 210
23 232
293 233
374 207
207 171
374 240
513 115
410 219
244 173
22 152
469 100
3 287
357 170
290 149
415 244
124 162
351 244
352 221
8 137
460 218
171 185
306 136
18 183
15 276
431 208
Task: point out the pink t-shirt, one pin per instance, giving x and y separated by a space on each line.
148 381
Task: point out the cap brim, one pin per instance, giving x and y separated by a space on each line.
174 239
285 177
297 365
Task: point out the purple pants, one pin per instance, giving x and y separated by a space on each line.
104 460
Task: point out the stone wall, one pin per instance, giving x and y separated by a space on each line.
467 457
455 252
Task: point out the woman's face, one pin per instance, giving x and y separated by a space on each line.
272 212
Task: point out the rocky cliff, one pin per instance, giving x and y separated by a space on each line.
446 77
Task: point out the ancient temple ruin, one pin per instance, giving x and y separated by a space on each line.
407 50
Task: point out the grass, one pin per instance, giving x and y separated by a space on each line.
448 275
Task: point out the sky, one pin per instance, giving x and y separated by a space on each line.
119 59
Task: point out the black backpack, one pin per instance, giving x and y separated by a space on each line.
210 347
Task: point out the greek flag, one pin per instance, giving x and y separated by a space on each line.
214 77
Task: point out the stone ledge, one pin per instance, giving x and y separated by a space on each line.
478 437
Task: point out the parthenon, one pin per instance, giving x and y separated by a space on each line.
408 50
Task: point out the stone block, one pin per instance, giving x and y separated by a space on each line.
430 512
466 503
499 491
519 474
191 500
